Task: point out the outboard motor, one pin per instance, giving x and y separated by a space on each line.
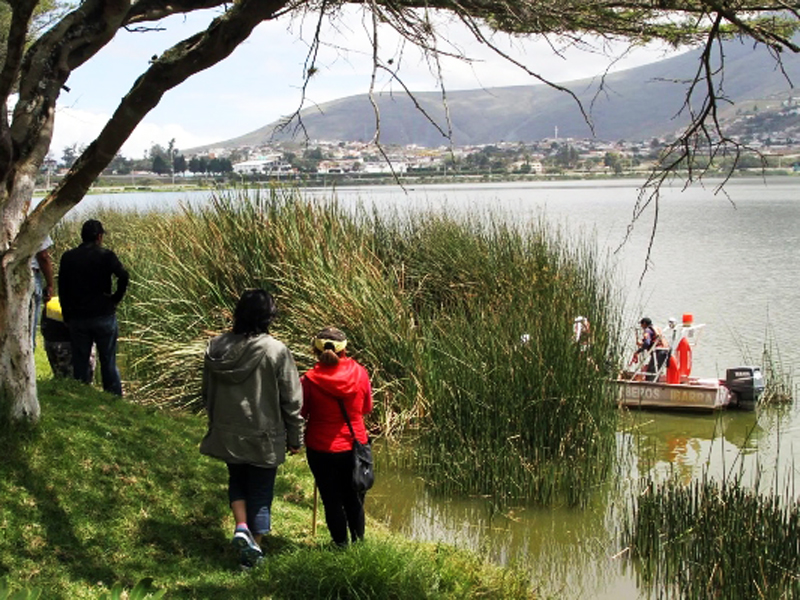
745 385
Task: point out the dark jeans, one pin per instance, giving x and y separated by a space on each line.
658 358
256 486
102 332
344 507
36 302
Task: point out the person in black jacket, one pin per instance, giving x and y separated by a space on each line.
89 306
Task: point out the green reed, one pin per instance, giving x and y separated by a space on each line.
711 539
508 418
433 304
778 382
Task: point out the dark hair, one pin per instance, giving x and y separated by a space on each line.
646 322
328 355
254 312
91 230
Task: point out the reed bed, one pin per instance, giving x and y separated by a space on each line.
712 539
779 387
433 304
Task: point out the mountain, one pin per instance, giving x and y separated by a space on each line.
638 104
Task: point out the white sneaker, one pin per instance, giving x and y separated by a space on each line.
249 551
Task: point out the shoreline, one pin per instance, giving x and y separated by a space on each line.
332 181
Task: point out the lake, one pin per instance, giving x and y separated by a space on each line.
729 259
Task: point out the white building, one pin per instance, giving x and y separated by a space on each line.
262 165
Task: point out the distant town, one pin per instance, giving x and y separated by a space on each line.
771 135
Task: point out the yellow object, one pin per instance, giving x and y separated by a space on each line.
53 309
338 345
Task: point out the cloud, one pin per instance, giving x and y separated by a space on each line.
81 127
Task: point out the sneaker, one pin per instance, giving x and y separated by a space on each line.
249 551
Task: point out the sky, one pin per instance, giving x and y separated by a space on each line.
262 80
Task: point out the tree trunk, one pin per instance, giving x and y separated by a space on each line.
18 398
55 54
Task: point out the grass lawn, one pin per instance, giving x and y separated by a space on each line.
104 491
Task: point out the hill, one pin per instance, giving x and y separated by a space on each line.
638 103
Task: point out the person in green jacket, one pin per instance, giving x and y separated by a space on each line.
253 396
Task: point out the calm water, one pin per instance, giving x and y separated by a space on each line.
730 260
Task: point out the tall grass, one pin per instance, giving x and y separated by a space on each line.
778 381
508 419
433 304
779 387
711 539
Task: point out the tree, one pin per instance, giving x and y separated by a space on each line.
37 58
198 164
119 165
567 156
160 165
179 164
612 160
69 155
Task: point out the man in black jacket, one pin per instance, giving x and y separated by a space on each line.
89 306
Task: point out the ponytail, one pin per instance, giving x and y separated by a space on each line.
329 346
329 357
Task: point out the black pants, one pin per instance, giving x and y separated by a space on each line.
658 358
344 507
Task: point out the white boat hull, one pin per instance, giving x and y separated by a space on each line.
707 395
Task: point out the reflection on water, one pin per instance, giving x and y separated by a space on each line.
560 547
685 444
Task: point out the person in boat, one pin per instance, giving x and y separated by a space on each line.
654 344
581 329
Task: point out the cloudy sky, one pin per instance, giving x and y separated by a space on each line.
262 80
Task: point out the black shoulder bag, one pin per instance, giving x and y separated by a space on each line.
363 473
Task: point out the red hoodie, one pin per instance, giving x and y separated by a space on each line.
326 430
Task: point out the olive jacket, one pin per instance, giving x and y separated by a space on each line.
253 396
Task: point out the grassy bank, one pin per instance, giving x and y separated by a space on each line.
105 491
435 305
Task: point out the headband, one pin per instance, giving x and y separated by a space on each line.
338 345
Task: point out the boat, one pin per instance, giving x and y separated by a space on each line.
672 387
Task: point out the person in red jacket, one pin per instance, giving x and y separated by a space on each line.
329 442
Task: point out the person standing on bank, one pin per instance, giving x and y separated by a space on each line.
43 283
89 306
251 389
329 442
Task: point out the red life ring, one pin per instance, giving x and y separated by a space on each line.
684 358
673 372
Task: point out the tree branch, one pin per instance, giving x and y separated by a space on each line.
20 20
48 64
174 66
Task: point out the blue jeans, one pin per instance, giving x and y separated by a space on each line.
36 302
256 486
103 332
